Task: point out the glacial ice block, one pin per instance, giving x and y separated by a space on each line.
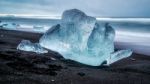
26 45
80 38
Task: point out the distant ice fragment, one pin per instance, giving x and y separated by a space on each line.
39 28
11 26
80 38
26 45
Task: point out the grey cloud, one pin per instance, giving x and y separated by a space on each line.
103 8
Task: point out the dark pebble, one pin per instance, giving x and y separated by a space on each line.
81 74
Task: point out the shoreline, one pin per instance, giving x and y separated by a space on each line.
20 67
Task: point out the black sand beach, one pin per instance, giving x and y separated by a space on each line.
19 67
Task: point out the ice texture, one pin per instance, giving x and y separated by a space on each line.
26 45
80 38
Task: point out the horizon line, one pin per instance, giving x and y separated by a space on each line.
131 19
58 16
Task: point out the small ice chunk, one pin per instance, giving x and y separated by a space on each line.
39 28
26 45
7 25
118 55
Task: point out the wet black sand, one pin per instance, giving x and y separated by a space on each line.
19 67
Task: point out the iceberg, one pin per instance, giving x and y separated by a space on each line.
26 45
81 38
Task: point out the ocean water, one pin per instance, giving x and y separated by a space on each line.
131 33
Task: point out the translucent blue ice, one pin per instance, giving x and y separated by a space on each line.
26 45
80 38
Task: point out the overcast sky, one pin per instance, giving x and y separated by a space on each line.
102 8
